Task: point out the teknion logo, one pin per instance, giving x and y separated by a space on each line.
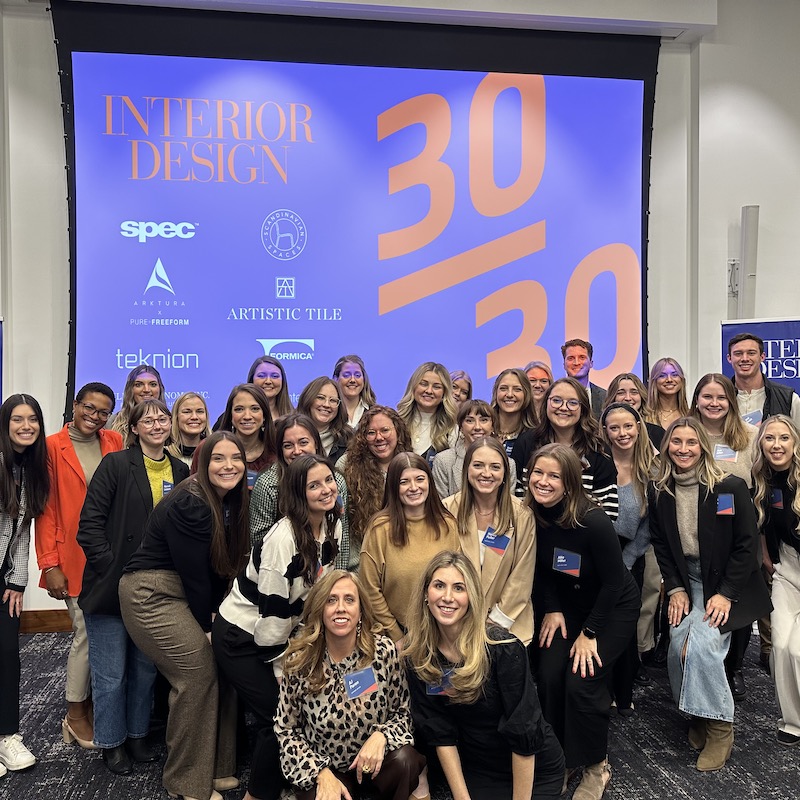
159 279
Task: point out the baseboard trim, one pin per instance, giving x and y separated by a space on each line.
49 621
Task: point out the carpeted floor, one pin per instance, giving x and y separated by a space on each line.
648 751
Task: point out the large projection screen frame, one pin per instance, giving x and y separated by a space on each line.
97 28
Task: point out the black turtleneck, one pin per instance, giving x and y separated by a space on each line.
780 524
603 582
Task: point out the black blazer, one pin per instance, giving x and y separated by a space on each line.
118 503
730 561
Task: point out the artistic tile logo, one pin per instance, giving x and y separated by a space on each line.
288 349
284 288
283 234
159 279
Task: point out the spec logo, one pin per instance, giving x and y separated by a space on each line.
143 231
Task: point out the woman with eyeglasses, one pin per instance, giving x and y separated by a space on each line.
666 392
124 490
379 437
143 383
540 377
189 426
296 435
73 456
402 538
569 421
322 400
628 388
513 403
429 411
357 393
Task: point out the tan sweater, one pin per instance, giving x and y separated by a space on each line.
390 574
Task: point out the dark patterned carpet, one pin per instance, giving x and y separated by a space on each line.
648 751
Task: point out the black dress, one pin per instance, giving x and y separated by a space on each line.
505 719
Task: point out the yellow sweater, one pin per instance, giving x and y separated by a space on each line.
390 574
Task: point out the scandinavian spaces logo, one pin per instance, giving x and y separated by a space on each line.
283 234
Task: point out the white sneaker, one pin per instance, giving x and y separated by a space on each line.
14 755
3 770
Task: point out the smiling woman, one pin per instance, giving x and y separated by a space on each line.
194 544
256 619
357 393
400 540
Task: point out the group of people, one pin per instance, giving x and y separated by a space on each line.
453 584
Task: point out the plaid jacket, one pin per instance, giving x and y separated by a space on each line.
15 539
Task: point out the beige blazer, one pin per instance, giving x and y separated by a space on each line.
507 579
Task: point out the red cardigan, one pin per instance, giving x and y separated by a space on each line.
57 528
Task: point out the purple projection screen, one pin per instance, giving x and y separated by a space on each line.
227 209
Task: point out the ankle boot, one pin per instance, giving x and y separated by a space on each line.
719 742
594 781
697 733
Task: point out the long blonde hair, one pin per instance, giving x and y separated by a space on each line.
423 637
708 473
644 457
444 418
734 431
305 656
763 472
653 396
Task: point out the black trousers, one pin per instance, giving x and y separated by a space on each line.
578 708
398 777
242 662
9 669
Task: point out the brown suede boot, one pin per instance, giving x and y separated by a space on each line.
697 733
594 781
719 742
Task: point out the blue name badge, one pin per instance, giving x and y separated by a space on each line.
724 453
567 562
496 543
725 505
776 498
440 688
251 478
754 417
360 682
166 487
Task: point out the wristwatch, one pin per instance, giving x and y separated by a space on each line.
589 633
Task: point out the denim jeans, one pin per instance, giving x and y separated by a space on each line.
699 684
122 682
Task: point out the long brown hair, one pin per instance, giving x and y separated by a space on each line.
266 434
295 506
338 426
363 475
305 656
437 516
734 431
576 500
228 547
585 435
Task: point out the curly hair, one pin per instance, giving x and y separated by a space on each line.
365 479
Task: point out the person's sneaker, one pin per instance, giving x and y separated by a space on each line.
13 753
3 770
786 738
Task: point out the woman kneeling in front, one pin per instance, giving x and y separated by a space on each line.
343 720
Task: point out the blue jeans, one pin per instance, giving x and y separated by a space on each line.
699 684
122 682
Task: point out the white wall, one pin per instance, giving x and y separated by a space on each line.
727 134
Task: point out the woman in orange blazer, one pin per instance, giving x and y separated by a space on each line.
73 455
